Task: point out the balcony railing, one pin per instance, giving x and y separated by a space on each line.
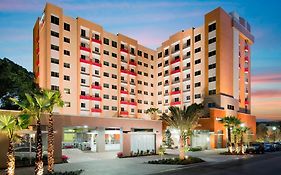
133 103
96 87
85 97
175 71
87 49
128 72
97 64
186 79
96 98
247 59
85 37
124 113
246 69
96 40
175 81
87 61
97 110
175 61
175 92
133 63
132 83
175 103
186 57
124 50
186 68
124 81
246 48
124 102
123 92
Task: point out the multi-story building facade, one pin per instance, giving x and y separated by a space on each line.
109 81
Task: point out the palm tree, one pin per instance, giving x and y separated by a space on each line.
244 130
35 105
185 120
10 125
152 112
54 98
230 122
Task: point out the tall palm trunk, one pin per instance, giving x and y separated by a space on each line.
11 159
51 144
181 147
39 150
241 148
229 139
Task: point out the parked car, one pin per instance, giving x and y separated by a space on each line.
277 146
255 148
26 152
268 147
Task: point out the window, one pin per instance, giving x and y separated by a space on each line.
114 76
114 55
198 50
83 81
139 111
114 44
198 61
55 34
160 83
145 92
66 27
114 87
114 108
212 66
145 74
139 53
139 63
145 65
145 55
188 42
54 47
106 41
66 52
139 92
160 64
212 40
54 74
198 84
177 47
106 107
159 54
105 52
166 52
114 97
83 32
139 82
187 97
139 72
230 107
211 79
197 96
211 105
55 20
54 87
83 69
67 104
66 91
197 37
151 57
106 63
105 96
105 74
159 74
197 73
212 92
66 65
54 60
67 40
145 83
212 27
83 105
212 53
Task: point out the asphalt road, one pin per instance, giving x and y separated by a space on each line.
267 164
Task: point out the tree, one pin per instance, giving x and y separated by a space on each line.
54 98
35 105
15 82
153 113
168 140
185 120
229 123
262 132
10 125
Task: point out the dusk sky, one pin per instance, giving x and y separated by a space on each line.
152 22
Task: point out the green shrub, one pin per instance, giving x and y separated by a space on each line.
177 161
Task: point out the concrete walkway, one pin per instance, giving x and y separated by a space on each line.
108 164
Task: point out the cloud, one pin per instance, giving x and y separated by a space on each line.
267 78
267 94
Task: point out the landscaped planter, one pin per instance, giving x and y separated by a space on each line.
177 161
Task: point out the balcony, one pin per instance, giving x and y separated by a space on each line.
133 103
85 37
246 69
132 83
246 102
175 61
124 113
85 97
123 92
133 63
133 53
186 79
124 61
97 64
175 81
186 57
87 61
247 59
87 49
124 81
128 72
96 40
186 68
124 50
37 62
175 103
175 92
96 110
246 48
132 93
124 102
175 71
166 84
96 87
96 98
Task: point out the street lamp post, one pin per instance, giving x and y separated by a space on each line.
274 132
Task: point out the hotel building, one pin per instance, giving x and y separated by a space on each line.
108 81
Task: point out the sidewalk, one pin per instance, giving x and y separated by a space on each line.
110 165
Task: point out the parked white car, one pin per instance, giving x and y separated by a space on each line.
25 152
